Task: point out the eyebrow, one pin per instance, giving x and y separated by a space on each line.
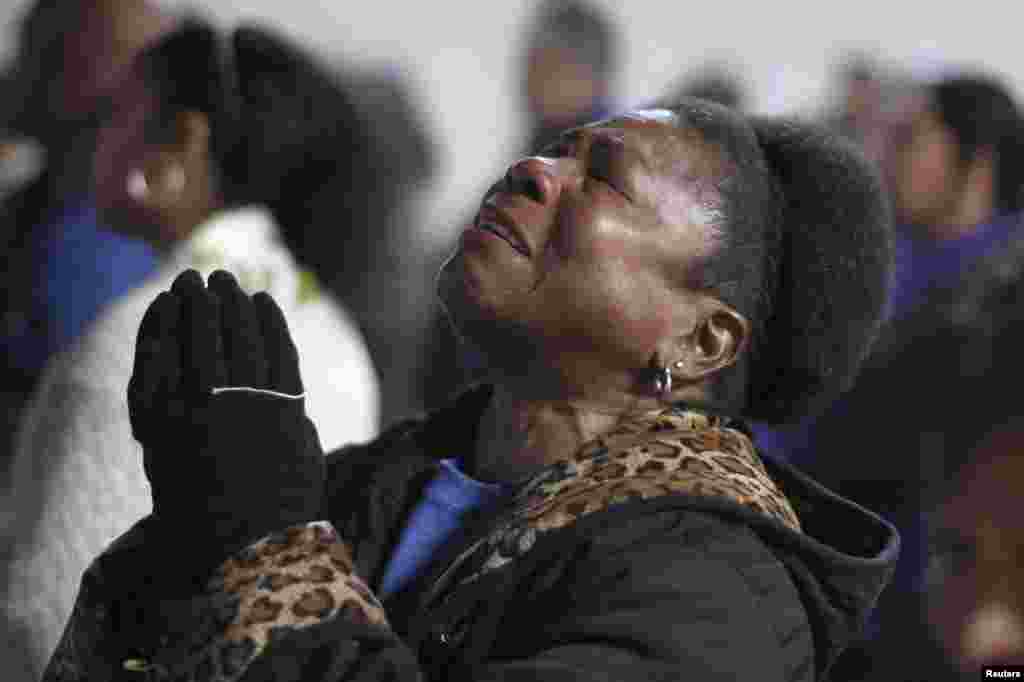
615 138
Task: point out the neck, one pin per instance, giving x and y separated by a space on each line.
520 434
518 437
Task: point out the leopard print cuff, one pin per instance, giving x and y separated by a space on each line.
294 579
284 583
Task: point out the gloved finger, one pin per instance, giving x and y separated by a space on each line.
203 365
282 356
157 353
241 334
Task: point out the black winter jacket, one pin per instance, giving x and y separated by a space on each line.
672 557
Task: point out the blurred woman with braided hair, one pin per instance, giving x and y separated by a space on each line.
232 151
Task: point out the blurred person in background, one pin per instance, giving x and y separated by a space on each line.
569 67
958 165
60 266
959 171
221 152
861 115
963 347
568 71
975 583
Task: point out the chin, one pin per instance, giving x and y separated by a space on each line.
462 291
474 316
447 284
459 293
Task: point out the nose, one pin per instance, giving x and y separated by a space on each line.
536 178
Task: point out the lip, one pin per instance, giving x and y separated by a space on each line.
491 212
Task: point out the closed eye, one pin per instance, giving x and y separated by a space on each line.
600 165
598 174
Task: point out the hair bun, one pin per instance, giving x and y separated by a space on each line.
297 118
834 261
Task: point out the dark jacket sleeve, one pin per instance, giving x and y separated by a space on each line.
290 608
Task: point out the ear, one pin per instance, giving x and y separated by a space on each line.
717 340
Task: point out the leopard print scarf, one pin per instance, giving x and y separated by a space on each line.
677 451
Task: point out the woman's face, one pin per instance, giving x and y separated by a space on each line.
121 149
977 590
926 169
602 232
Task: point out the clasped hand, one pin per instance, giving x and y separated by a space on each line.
216 401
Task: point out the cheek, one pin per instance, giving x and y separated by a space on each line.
119 151
927 171
613 295
605 280
599 239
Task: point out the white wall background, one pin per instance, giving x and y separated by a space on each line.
460 55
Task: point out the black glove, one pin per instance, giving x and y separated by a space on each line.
216 401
